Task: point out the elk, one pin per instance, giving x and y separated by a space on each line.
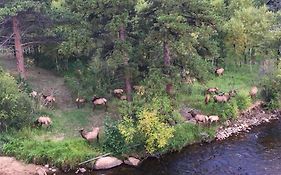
212 90
80 102
99 101
43 121
221 98
118 92
207 98
201 118
33 94
219 71
213 118
253 92
90 136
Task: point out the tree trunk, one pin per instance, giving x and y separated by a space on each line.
167 58
167 64
128 85
18 48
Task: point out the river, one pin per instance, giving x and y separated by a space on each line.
255 153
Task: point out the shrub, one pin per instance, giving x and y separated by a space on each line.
225 110
15 107
66 153
183 135
114 141
199 68
243 101
271 91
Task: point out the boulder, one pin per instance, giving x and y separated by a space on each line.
107 163
132 161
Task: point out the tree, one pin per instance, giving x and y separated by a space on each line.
21 15
248 30
181 29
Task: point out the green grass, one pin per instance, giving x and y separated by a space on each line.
61 145
34 146
240 78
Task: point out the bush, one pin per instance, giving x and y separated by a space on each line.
271 91
243 101
15 107
199 68
114 141
225 110
184 134
66 153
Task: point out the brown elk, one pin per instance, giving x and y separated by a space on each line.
99 101
221 98
219 71
90 136
253 92
80 102
43 121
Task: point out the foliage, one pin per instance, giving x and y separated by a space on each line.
226 111
15 107
271 90
248 30
243 101
63 154
188 133
114 141
157 133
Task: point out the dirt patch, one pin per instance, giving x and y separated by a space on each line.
11 166
42 80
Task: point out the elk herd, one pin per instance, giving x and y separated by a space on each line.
211 94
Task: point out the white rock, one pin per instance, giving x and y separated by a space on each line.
82 170
107 162
132 161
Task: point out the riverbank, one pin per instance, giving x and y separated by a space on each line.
253 116
11 166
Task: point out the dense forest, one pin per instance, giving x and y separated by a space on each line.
151 76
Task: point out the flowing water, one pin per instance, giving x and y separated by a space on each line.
254 153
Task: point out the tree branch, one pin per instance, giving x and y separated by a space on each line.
7 39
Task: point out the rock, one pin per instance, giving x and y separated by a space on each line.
41 171
107 163
80 170
132 161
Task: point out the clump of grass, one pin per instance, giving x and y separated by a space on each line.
240 79
188 133
243 101
64 153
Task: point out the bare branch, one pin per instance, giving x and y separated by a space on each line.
7 39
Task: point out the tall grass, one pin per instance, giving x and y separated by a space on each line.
240 78
28 145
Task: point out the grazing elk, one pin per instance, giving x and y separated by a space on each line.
207 98
118 92
201 118
253 92
219 71
99 101
212 90
43 121
221 98
213 118
90 136
80 102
